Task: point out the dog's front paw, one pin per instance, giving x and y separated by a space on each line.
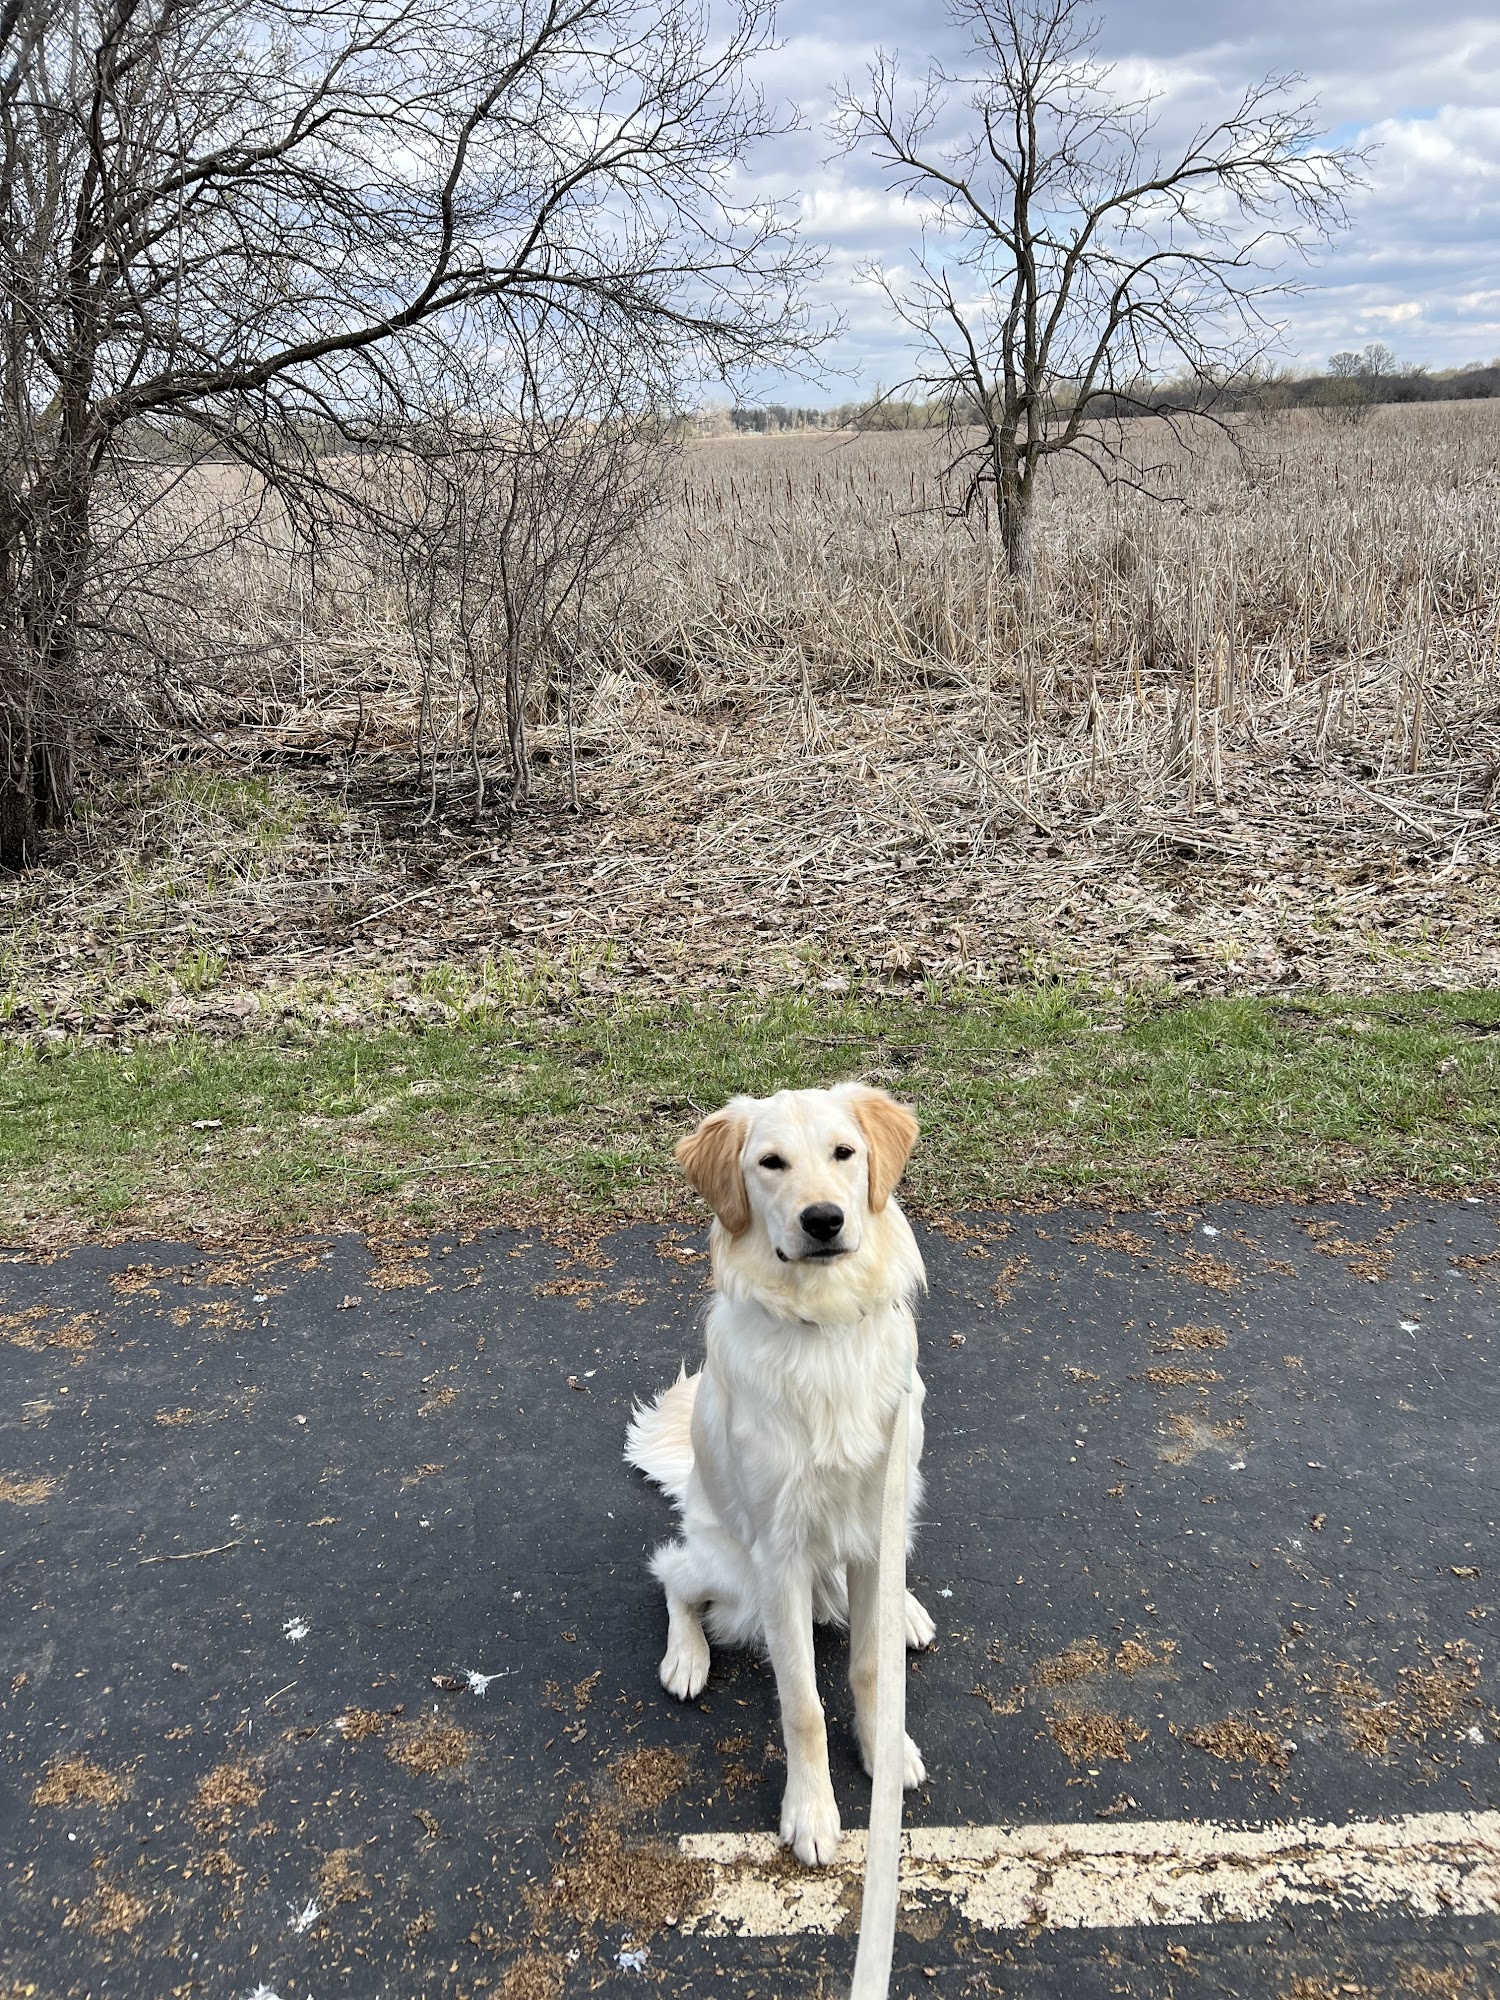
684 1666
810 1825
920 1630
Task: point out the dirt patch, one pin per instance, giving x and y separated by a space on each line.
340 1879
1195 1338
579 1696
1369 1260
648 1777
1426 1700
1195 1434
673 1248
1369 1721
1076 1662
1201 1267
602 1880
1319 1988
1087 1737
1004 1288
1115 1239
109 1911
579 1290
73 1781
1176 1377
999 1704
1433 1982
1138 1656
737 1777
223 1792
146 1280
1240 1743
24 1329
357 1725
81 1331
26 1492
531 1978
399 1266
1439 1695
430 1748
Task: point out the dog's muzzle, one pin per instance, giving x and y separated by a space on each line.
823 1222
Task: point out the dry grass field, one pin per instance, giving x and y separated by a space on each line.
1239 735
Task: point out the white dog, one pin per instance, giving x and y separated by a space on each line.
775 1453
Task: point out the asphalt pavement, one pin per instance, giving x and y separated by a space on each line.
329 1652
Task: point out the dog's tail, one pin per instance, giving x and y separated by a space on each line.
660 1438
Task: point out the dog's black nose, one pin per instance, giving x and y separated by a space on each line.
822 1221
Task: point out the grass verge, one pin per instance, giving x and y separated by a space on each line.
1030 1096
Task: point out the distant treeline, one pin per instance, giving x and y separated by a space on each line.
1356 386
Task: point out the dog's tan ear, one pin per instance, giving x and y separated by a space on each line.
710 1157
890 1133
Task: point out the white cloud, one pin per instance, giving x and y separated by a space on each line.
1421 263
843 213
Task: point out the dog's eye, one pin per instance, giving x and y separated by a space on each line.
843 1152
774 1161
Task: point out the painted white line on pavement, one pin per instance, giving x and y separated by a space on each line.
1143 1872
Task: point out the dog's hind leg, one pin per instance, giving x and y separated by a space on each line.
920 1630
684 1665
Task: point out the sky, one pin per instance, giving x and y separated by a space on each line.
1419 268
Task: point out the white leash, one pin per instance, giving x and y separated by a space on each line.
877 1923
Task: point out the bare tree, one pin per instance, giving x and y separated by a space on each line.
1352 388
509 509
1264 392
250 226
1070 260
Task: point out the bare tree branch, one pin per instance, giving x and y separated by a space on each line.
272 224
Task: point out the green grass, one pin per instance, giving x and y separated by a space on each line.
267 808
1035 1095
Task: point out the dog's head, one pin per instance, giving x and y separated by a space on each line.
799 1176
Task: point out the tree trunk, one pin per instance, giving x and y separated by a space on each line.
515 711
39 685
1015 531
36 779
18 814
1012 485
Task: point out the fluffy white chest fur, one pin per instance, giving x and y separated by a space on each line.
790 1430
